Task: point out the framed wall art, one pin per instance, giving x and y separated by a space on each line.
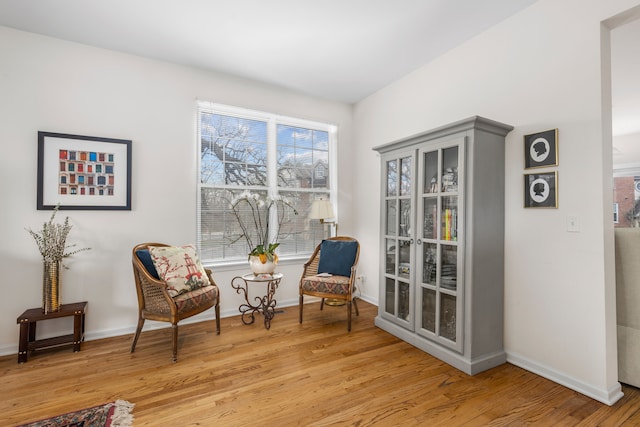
83 172
541 149
541 190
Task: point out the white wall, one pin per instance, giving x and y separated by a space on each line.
540 69
57 86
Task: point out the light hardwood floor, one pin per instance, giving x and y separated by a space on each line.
310 374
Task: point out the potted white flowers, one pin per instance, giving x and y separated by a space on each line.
257 216
51 241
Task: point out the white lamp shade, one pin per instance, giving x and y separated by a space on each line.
321 209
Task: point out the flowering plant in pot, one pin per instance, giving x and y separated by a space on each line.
260 219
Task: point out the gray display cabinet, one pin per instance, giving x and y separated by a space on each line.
442 242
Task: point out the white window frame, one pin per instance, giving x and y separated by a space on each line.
272 121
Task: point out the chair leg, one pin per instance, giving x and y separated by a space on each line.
217 319
174 330
321 304
137 334
348 316
301 304
356 306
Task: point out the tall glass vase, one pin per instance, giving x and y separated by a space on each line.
51 286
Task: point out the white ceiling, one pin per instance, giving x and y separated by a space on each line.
342 50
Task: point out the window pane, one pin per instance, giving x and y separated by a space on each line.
302 157
222 237
303 138
299 234
233 150
321 140
220 234
286 135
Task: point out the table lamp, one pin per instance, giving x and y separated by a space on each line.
323 209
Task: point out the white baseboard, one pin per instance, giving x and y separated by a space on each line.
149 325
608 397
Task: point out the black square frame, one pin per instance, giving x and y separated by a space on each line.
80 172
541 190
541 149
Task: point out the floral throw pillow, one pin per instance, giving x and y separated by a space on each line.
180 267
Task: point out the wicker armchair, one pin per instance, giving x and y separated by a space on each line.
333 286
155 303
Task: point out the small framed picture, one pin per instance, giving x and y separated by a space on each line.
541 190
541 149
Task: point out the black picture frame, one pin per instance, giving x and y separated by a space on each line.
541 149
77 172
541 190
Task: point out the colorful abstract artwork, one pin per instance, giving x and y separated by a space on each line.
86 173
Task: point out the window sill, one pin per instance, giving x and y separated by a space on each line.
235 265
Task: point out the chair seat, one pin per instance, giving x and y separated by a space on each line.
196 298
326 285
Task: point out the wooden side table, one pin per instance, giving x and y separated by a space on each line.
29 318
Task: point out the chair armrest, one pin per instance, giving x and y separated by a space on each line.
212 282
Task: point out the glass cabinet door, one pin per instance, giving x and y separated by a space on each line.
439 298
398 237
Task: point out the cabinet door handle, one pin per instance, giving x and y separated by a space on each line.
419 241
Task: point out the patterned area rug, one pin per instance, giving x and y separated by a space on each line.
114 414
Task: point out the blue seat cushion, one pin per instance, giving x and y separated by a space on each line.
145 258
337 257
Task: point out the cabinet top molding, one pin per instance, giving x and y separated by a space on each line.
475 123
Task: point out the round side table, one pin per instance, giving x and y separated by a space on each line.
264 304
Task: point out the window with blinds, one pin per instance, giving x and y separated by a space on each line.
269 156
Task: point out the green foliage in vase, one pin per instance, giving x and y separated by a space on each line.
52 239
268 252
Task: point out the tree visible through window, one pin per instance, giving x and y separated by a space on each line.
242 150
